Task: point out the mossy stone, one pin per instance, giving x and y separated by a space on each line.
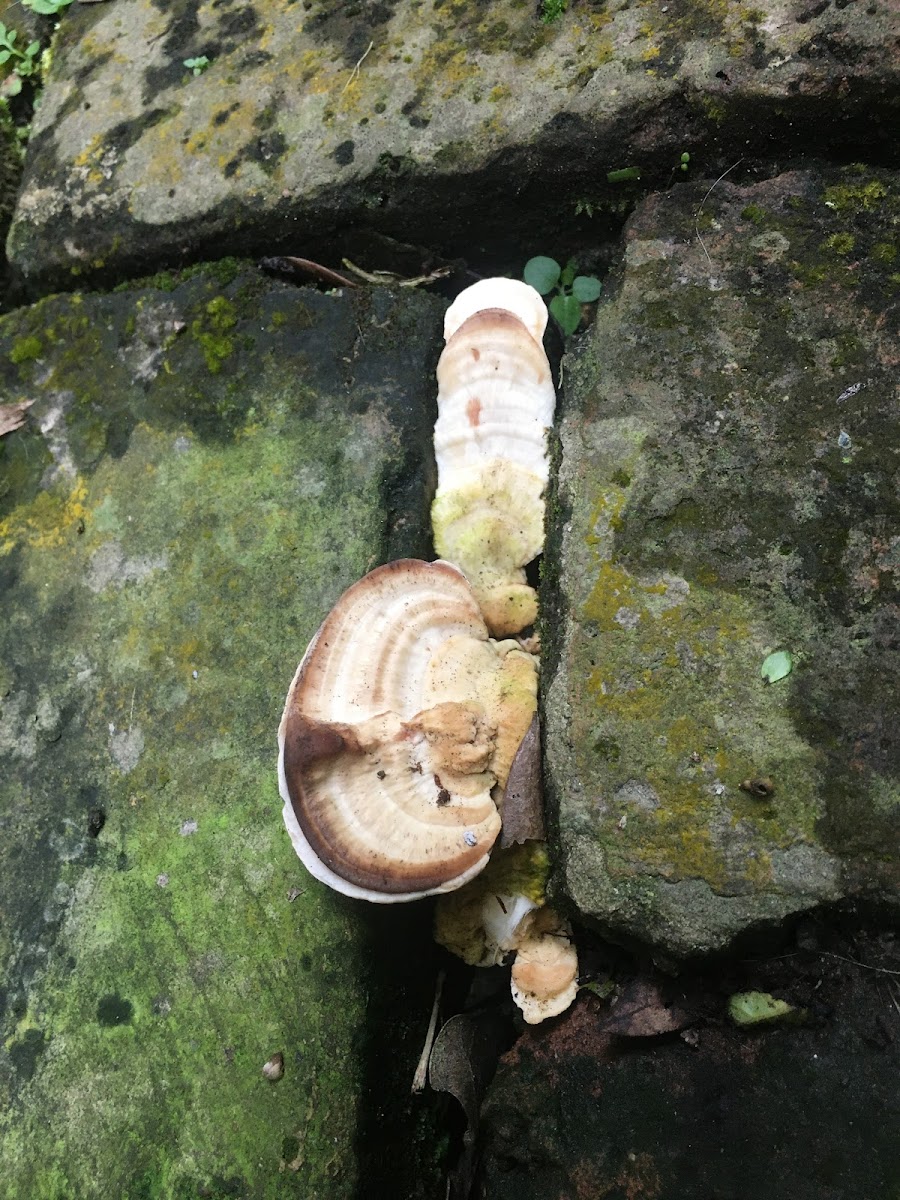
726 501
170 539
447 123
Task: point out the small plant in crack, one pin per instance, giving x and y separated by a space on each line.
197 65
571 290
552 10
24 62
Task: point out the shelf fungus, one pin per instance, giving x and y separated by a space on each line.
501 914
398 732
495 405
545 971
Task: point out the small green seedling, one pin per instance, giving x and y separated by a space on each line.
685 161
546 275
197 65
46 8
552 10
24 62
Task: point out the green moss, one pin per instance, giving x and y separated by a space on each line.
840 243
213 332
223 270
884 252
856 197
155 981
451 153
183 965
851 351
651 720
754 213
714 109
26 349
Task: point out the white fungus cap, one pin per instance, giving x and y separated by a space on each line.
516 297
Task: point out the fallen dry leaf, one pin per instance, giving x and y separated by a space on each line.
462 1063
523 801
641 1011
290 265
12 416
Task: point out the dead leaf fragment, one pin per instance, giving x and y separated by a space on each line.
641 1011
523 801
301 268
463 1062
12 416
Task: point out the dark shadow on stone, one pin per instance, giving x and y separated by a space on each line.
398 1139
482 217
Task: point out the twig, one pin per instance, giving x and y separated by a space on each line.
131 714
704 200
354 74
421 1074
389 279
826 954
857 963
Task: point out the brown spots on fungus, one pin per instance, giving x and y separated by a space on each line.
473 408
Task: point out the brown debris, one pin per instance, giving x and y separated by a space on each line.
12 416
523 801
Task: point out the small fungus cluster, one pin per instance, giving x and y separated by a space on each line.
405 714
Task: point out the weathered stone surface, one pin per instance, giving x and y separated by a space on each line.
806 1112
728 488
311 118
208 463
23 27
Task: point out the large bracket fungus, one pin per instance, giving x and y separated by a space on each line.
495 405
404 716
402 720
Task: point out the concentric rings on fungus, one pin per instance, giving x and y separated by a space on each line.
402 718
495 405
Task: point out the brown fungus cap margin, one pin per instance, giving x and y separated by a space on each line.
394 730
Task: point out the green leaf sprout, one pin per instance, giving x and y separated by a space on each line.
542 273
197 65
25 63
46 8
546 275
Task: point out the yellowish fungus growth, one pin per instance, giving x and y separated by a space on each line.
495 405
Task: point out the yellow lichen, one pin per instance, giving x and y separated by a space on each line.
49 520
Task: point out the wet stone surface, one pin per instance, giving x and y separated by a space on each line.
728 489
466 118
207 464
